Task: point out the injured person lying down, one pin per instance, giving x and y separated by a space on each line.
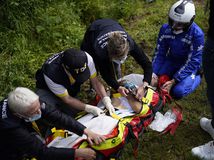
103 124
129 103
131 82
118 127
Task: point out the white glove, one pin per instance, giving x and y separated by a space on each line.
93 109
107 102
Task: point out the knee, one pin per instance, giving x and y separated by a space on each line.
178 92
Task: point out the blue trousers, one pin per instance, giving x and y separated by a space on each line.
208 67
184 87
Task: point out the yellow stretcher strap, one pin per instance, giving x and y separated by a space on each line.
116 95
59 133
35 127
145 100
115 116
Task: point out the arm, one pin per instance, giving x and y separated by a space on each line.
136 105
29 144
77 104
73 102
62 93
194 60
144 62
61 120
98 86
160 51
106 70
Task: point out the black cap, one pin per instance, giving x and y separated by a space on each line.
76 63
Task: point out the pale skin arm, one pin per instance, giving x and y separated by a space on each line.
154 81
73 102
88 153
141 91
133 102
85 153
77 104
123 91
93 137
98 86
168 85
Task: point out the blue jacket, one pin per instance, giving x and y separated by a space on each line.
184 50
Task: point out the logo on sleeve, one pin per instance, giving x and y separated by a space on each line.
200 48
4 109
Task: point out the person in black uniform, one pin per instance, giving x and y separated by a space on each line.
18 138
109 45
206 151
60 78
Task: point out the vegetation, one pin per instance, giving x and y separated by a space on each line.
31 30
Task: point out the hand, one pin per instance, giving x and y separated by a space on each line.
85 153
154 81
93 137
141 91
93 109
168 85
123 91
107 102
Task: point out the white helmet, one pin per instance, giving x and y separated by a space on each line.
182 14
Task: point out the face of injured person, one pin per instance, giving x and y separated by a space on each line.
133 102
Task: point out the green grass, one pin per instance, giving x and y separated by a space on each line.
31 30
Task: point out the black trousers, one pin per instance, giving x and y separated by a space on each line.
208 67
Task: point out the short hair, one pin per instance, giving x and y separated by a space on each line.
20 99
117 46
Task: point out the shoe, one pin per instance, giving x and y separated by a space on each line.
204 151
207 126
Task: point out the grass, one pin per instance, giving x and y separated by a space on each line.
27 42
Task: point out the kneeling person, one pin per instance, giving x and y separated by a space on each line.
60 78
179 51
19 139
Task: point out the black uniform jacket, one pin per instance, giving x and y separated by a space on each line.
17 140
211 21
95 43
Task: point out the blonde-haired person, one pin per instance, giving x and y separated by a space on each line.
110 45
18 138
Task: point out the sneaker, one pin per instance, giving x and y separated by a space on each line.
207 126
204 151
